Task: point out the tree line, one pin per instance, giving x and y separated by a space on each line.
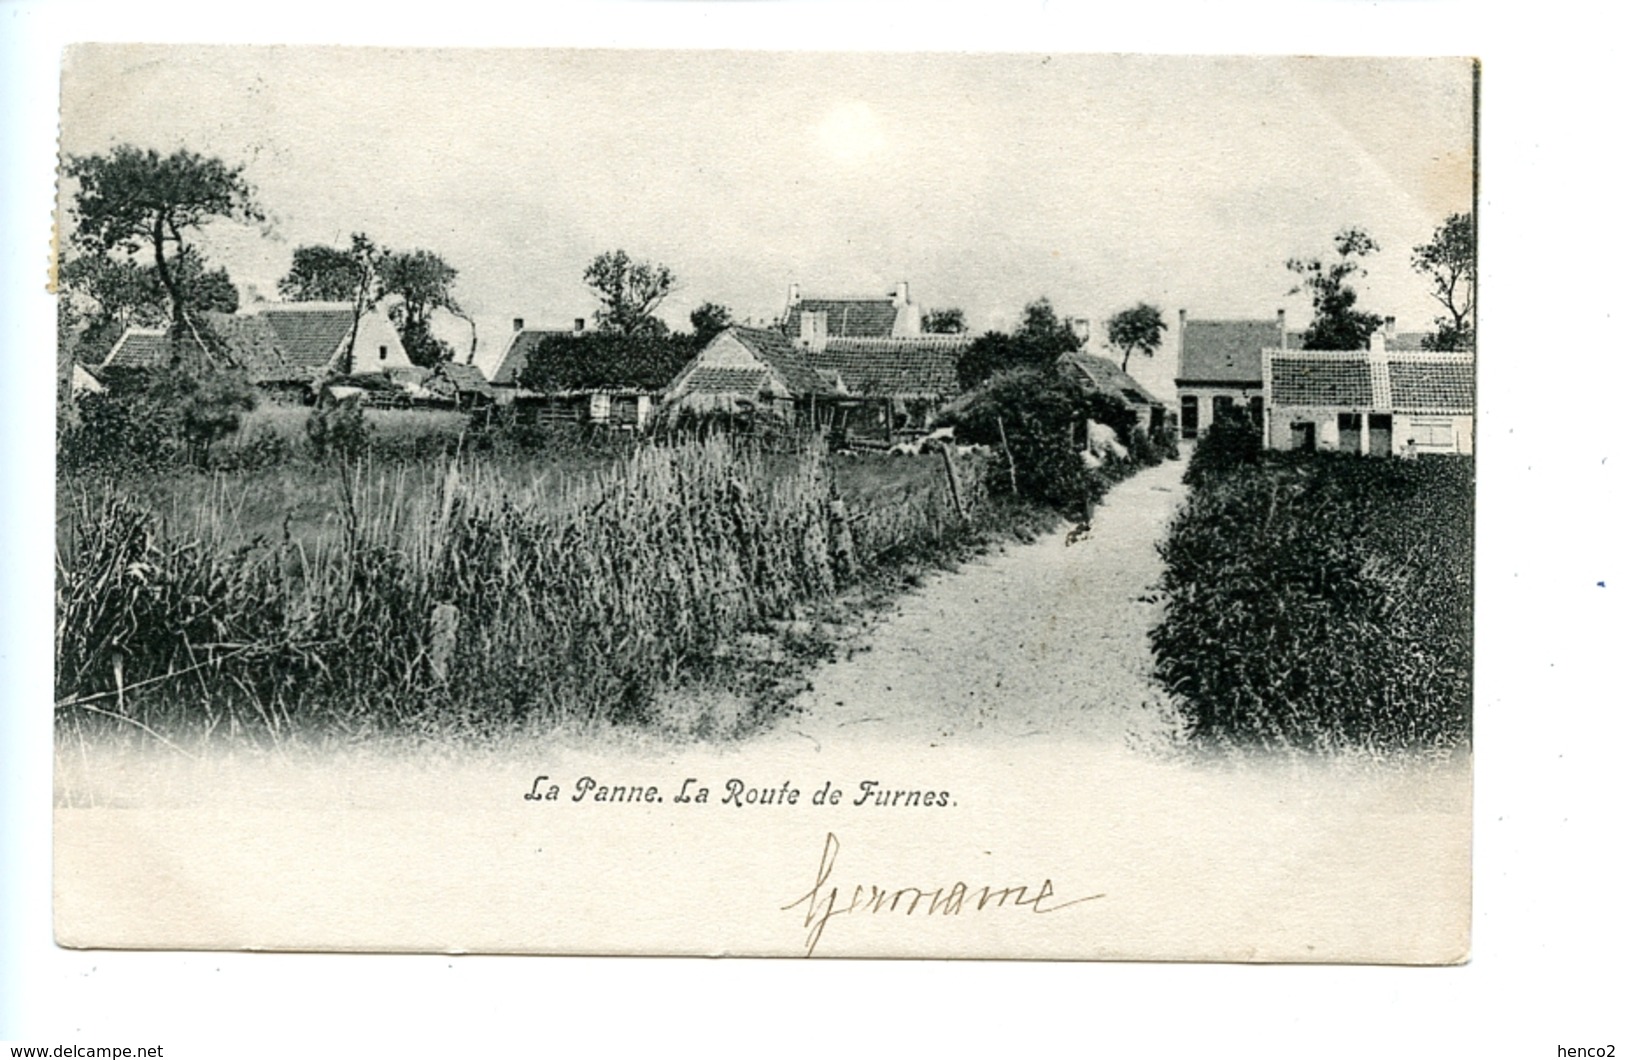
134 261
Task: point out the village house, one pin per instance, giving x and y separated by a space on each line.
755 368
809 321
1377 402
860 366
1107 376
1221 365
609 394
463 385
284 348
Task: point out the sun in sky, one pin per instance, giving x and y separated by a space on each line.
850 133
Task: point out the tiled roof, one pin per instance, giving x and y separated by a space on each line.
871 318
924 367
1423 383
1324 379
1106 375
519 347
787 361
309 334
245 342
1226 351
707 379
466 378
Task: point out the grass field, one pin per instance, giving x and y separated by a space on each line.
679 585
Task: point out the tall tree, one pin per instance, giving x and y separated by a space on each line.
419 283
1450 261
629 291
1136 330
320 274
709 320
1337 325
1041 326
949 321
137 201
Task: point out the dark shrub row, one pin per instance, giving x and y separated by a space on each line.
1320 601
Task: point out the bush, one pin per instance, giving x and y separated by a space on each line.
1039 415
151 420
1322 602
337 431
1231 442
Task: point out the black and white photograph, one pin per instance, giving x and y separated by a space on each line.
946 506
942 495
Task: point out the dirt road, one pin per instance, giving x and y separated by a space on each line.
1039 640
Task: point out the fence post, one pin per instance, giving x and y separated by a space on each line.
443 623
953 481
846 554
1009 460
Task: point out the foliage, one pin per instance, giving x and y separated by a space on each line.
1232 441
130 200
322 274
1337 325
1450 261
337 430
708 321
605 361
628 292
152 420
1041 339
419 282
1039 414
1136 330
949 321
1322 602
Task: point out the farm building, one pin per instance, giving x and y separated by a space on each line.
1376 402
285 347
809 321
871 389
521 341
757 369
890 386
595 378
464 385
1105 375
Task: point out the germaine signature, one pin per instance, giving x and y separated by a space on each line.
826 900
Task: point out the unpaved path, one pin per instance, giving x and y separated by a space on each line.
1039 640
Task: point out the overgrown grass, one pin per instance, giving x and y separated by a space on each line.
1322 602
318 603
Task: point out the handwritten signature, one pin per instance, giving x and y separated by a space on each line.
826 901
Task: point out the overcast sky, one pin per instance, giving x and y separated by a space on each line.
983 180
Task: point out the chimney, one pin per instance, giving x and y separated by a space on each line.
1280 325
900 298
519 323
581 325
794 298
1388 325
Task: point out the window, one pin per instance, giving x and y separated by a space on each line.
383 353
1436 433
1187 416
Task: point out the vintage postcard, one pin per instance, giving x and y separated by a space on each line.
765 503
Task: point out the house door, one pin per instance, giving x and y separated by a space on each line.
1382 434
1348 432
1303 435
1187 416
